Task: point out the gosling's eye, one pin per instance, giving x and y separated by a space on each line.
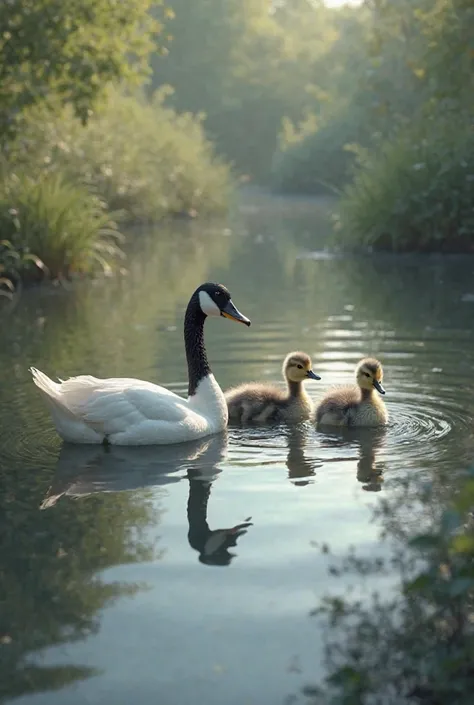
366 374
300 367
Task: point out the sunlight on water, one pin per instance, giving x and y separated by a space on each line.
187 574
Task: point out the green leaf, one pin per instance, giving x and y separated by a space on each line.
424 542
460 586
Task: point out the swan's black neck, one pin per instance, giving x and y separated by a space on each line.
294 388
198 365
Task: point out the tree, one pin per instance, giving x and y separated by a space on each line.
247 64
71 49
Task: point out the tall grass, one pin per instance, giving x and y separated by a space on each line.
416 192
54 226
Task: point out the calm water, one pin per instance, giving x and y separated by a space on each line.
187 574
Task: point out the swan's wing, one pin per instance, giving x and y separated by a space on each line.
117 407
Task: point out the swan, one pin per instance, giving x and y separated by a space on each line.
131 412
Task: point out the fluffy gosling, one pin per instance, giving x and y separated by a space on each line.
357 405
256 403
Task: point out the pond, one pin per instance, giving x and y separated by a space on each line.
188 574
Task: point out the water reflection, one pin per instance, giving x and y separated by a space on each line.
82 471
86 470
369 442
411 313
212 544
301 468
52 578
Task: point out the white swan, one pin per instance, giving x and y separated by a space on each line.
131 412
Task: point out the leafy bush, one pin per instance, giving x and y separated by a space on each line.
142 158
419 645
52 225
415 192
318 161
73 49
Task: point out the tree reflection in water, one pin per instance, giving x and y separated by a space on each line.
51 561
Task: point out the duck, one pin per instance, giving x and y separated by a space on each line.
357 405
263 403
132 412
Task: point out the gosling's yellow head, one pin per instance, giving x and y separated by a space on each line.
369 374
297 367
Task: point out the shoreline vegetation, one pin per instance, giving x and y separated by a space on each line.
396 147
114 114
84 151
66 188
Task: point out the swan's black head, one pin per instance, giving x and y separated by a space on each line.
214 300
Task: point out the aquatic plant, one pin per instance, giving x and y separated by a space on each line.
53 228
14 262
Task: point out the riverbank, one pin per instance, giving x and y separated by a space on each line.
65 188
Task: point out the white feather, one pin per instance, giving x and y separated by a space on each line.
131 412
207 305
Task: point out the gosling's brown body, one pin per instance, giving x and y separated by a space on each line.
356 405
257 403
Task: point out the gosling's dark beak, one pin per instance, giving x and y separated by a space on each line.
379 387
312 375
229 311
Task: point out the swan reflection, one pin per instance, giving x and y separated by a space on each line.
83 470
86 470
212 545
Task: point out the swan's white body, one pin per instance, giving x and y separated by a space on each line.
131 412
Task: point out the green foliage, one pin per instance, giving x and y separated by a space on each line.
141 158
418 646
414 192
320 160
14 263
248 69
58 227
63 182
409 112
70 48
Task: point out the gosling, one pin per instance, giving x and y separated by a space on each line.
263 403
357 405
